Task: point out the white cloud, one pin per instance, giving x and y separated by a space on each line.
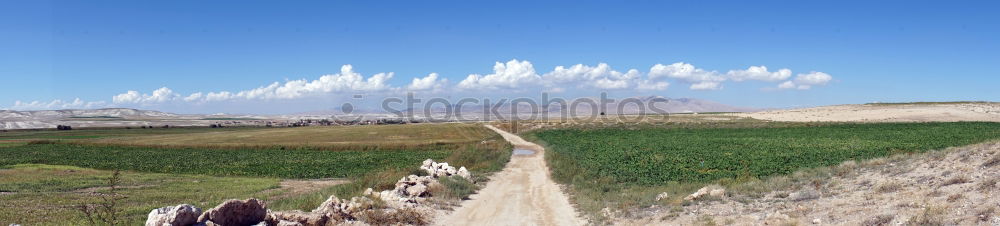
431 82
160 95
583 76
699 79
759 73
706 86
511 75
652 85
786 85
807 81
57 104
813 78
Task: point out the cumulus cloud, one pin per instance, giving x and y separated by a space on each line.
511 75
759 73
431 82
57 104
584 76
699 79
807 81
160 95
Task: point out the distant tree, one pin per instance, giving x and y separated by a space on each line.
166 126
62 127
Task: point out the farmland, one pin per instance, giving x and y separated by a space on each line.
51 172
604 162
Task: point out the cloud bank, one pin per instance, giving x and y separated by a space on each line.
511 76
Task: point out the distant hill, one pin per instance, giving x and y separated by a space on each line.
50 118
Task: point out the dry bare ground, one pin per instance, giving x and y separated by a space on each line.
521 194
957 186
916 112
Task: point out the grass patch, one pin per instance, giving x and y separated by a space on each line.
481 159
47 194
625 167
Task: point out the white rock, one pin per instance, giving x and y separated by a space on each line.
662 196
183 214
462 172
817 221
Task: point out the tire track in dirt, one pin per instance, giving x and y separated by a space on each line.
521 194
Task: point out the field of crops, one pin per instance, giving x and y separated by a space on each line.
652 156
225 162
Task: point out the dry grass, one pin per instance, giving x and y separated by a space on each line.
993 161
883 219
955 180
931 216
888 186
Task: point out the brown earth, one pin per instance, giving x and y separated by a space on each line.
521 194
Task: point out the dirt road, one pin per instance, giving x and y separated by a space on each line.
521 194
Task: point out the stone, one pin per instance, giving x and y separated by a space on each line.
817 221
662 196
298 217
180 215
718 192
697 194
417 190
236 212
464 173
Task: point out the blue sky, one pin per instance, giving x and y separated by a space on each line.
847 51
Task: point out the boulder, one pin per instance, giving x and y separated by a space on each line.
181 215
417 190
236 212
297 217
662 196
714 191
462 172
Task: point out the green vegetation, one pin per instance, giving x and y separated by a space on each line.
49 195
223 162
625 167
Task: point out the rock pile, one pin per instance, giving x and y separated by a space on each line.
408 193
442 169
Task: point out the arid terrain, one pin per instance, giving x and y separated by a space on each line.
889 112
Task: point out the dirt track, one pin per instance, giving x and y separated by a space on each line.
521 194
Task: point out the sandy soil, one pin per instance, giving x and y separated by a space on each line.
957 186
886 113
521 194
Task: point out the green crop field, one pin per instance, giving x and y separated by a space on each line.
621 167
224 162
658 155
